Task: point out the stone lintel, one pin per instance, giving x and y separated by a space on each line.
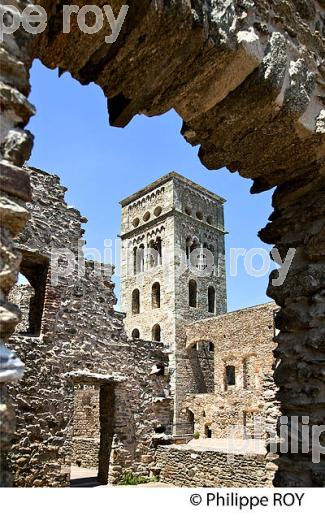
91 378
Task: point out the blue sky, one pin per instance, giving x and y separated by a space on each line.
101 165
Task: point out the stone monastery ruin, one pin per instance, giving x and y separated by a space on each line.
247 77
97 396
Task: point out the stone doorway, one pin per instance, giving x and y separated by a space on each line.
93 429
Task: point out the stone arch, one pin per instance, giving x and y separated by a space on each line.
141 259
135 334
190 418
278 142
135 301
156 332
155 252
155 295
135 259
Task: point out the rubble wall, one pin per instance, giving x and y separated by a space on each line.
211 468
80 332
243 340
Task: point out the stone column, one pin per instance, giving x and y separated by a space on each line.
298 222
15 148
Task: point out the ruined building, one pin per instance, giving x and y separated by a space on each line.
227 401
247 79
174 291
91 396
242 403
88 396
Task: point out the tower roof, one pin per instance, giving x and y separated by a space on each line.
163 180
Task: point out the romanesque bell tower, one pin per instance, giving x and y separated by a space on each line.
173 258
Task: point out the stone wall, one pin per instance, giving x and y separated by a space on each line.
81 341
86 411
276 50
86 426
85 452
243 340
186 467
21 295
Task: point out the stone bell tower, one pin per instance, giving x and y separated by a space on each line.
173 258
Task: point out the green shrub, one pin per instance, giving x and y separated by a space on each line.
129 479
196 435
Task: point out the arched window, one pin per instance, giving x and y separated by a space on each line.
141 259
195 244
135 260
155 253
192 293
136 301
155 296
156 333
188 250
159 250
190 419
212 299
135 334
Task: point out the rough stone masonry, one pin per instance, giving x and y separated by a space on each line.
242 403
79 344
169 228
91 397
247 78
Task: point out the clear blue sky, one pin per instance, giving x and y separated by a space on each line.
101 165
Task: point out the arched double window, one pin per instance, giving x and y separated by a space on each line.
211 299
138 259
156 333
135 260
136 301
192 293
155 252
155 296
141 259
192 243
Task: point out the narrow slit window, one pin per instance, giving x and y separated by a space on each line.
230 375
192 293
